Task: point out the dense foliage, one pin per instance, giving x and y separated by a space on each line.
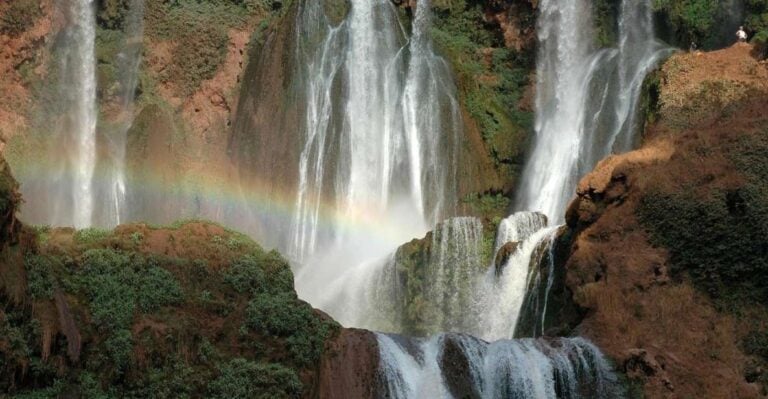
720 240
134 324
704 21
757 23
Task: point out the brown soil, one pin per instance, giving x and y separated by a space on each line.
660 329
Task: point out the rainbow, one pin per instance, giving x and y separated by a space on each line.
255 208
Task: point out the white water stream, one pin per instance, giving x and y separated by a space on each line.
380 136
83 158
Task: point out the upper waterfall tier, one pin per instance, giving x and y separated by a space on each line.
586 98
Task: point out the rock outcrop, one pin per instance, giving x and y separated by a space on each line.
643 308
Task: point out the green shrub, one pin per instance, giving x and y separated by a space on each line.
757 23
109 281
90 236
260 272
51 392
692 20
156 287
243 379
200 50
91 388
284 315
246 275
276 313
173 380
40 277
119 346
17 16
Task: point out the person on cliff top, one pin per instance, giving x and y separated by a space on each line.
741 35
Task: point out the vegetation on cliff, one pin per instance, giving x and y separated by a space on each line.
703 21
191 310
492 64
671 237
718 237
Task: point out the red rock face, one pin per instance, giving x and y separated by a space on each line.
349 366
658 328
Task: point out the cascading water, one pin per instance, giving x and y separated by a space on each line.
454 365
383 145
586 108
382 124
111 187
85 124
574 81
65 198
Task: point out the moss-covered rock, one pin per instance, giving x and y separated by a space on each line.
191 309
492 60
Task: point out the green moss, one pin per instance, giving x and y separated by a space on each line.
112 13
40 278
606 21
243 379
491 79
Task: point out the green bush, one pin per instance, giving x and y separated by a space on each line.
17 16
260 272
119 346
201 48
90 236
40 278
91 388
692 20
172 380
243 379
156 287
109 281
246 275
757 23
277 313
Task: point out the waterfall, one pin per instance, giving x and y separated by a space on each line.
380 136
586 98
67 198
456 365
111 188
586 108
84 83
129 79
380 123
445 285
